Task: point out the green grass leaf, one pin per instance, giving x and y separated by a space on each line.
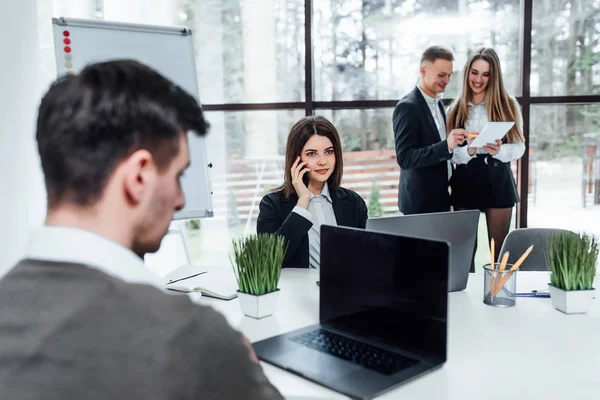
572 259
257 261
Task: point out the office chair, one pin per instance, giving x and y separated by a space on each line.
519 240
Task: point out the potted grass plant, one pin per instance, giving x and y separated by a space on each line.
257 261
571 259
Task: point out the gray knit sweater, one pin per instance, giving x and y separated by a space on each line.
72 332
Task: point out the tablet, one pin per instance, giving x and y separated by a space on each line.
491 132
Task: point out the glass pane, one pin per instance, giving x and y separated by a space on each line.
370 49
564 55
247 51
565 167
247 152
371 170
370 166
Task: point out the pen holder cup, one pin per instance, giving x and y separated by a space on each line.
499 287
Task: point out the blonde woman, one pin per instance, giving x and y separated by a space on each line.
483 178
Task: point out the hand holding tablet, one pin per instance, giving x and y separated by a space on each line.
491 132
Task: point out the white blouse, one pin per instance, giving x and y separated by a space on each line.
320 212
477 118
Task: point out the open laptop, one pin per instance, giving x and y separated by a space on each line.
459 228
382 314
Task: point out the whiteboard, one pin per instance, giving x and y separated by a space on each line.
168 50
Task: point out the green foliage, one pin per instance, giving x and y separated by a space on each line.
193 224
572 260
586 61
571 147
267 189
257 261
374 204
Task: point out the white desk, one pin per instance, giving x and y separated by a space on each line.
530 351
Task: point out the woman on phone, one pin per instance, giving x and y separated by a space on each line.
310 195
483 177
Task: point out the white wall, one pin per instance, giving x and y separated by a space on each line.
23 200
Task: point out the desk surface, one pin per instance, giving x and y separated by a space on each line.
530 351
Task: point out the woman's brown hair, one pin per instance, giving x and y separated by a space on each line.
499 106
297 138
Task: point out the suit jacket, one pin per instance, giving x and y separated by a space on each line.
422 157
276 216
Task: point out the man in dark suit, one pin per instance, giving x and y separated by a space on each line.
423 148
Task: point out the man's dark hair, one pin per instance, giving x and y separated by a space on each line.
434 52
88 123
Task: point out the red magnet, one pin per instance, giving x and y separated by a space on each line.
67 41
67 49
66 33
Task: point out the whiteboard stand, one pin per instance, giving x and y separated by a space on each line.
181 232
167 49
170 51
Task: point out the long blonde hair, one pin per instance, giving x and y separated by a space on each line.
499 106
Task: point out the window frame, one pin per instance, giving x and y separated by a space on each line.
310 106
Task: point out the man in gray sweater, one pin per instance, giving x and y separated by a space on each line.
80 316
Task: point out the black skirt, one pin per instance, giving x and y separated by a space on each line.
483 183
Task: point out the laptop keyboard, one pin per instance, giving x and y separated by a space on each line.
371 357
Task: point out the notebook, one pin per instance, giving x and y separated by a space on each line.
214 281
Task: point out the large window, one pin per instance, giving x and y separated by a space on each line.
370 166
247 151
565 48
264 64
248 51
564 167
566 144
370 49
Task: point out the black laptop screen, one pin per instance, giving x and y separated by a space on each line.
389 288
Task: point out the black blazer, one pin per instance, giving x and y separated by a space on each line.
421 155
276 216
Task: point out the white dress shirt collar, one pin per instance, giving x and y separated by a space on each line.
324 193
470 104
428 98
80 246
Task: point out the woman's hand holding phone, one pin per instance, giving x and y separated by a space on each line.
298 172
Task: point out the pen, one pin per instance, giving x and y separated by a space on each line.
187 277
177 290
493 263
533 293
500 281
507 276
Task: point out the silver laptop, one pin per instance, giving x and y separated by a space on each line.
382 314
459 228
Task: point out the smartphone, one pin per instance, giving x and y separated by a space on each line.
306 178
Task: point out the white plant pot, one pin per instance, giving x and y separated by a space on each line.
572 301
258 306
